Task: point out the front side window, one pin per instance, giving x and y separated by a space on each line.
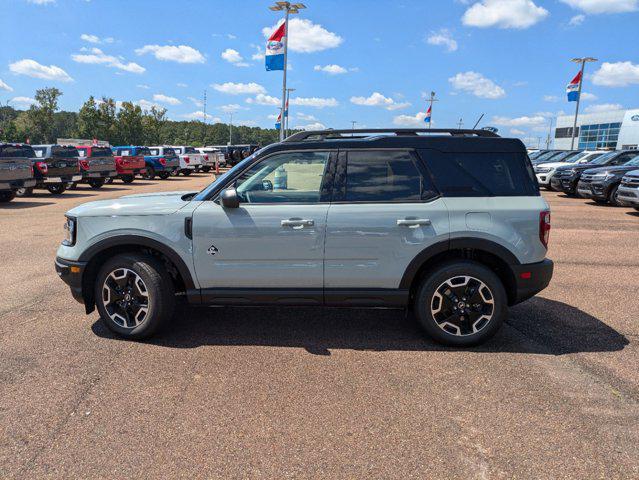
385 176
285 178
101 152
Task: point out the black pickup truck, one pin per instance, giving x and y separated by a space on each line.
15 169
54 167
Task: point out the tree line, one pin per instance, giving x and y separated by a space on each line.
129 124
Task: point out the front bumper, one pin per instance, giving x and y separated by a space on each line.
544 179
569 185
531 278
71 273
584 190
628 195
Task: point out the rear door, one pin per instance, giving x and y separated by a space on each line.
384 212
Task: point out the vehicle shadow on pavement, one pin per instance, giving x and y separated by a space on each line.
18 204
539 326
633 214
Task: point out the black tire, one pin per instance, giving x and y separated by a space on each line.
150 173
186 172
57 188
160 295
127 178
612 197
108 180
7 196
164 175
636 208
23 192
454 328
72 186
206 169
96 183
600 201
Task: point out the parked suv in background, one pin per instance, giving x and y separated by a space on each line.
449 223
163 161
628 193
546 171
54 167
129 162
16 170
96 165
601 184
567 177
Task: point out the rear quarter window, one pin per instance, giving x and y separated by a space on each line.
498 174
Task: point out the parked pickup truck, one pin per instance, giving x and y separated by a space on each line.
190 159
16 170
96 165
212 156
129 162
54 167
163 161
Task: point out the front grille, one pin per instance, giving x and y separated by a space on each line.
586 178
630 182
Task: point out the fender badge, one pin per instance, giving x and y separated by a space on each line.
212 250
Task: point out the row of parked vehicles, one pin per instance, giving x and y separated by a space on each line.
56 167
606 177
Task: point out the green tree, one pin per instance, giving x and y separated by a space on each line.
41 115
107 122
88 120
153 123
130 130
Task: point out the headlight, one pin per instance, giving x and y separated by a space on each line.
70 229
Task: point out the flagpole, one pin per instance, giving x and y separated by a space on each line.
432 99
582 61
284 73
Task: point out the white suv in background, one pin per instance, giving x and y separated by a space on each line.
545 171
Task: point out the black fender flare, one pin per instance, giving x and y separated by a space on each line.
455 244
142 241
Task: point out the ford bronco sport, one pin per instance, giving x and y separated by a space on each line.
448 223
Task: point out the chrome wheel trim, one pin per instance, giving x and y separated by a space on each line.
125 298
462 305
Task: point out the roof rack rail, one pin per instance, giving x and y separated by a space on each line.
363 133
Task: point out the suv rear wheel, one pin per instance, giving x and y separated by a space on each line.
462 303
134 295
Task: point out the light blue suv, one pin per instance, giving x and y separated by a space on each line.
447 223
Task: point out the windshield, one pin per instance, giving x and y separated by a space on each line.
632 163
604 158
545 156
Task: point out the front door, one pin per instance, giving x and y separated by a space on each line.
275 239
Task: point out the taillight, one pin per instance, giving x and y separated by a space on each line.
43 167
84 164
544 227
162 161
186 159
206 158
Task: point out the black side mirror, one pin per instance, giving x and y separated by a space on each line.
230 198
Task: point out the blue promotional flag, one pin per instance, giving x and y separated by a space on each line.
274 58
572 89
428 114
278 122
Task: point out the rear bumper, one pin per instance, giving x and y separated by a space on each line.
62 179
103 174
71 273
15 184
131 171
531 278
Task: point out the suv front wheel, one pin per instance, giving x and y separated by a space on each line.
461 304
134 294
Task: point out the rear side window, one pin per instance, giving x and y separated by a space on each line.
64 152
169 152
39 151
23 151
385 176
154 151
101 152
143 151
190 150
470 174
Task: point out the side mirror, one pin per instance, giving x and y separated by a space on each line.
230 198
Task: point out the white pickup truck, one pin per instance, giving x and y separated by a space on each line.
190 159
212 156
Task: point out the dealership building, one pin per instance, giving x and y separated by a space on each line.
607 130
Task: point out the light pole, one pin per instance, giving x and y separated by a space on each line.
231 129
289 9
581 61
286 109
460 124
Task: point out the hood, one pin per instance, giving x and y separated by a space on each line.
616 169
163 203
551 164
577 166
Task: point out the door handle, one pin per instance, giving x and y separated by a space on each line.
412 222
297 223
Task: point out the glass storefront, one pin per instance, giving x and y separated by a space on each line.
599 136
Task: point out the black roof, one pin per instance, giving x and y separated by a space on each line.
448 140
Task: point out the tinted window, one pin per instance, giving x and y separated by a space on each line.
82 152
23 151
39 151
177 150
169 152
384 176
64 152
190 150
154 151
481 174
101 152
144 151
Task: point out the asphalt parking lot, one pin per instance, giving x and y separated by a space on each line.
303 392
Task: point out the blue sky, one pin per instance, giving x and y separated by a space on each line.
372 62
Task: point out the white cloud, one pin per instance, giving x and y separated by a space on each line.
442 37
234 57
95 39
143 86
159 97
41 2
577 20
310 126
98 57
588 96
551 98
376 99
196 101
416 120
231 107
504 14
173 53
199 115
603 107
24 102
524 121
332 69
305 117
604 6
316 102
307 37
619 74
239 88
5 87
31 68
263 99
477 84
259 53
515 131
143 104
182 85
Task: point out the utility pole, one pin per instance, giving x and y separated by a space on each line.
581 61
289 8
549 134
231 129
431 100
204 106
460 124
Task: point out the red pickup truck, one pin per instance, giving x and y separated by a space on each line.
128 164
